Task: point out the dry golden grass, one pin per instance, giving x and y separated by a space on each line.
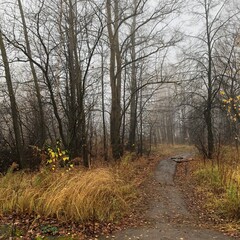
99 194
102 193
220 179
166 150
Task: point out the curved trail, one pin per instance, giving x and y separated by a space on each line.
168 211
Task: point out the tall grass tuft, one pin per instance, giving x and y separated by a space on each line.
98 194
221 180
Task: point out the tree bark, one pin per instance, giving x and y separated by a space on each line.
208 111
77 118
105 150
133 104
14 109
115 78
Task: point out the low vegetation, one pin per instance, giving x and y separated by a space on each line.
78 196
167 150
218 182
103 194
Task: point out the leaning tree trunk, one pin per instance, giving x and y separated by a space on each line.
14 110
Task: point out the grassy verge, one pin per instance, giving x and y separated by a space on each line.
78 196
220 178
213 190
90 201
80 202
167 150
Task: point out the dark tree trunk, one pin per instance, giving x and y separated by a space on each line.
133 105
14 109
76 115
115 78
208 112
103 111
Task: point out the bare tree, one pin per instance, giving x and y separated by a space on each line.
203 58
14 109
133 92
144 38
41 128
113 21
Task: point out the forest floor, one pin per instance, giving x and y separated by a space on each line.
167 209
173 212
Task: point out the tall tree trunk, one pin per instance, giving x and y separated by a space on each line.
72 111
133 105
41 127
103 110
14 110
77 118
115 77
208 111
140 144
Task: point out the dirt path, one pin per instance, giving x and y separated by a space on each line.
168 211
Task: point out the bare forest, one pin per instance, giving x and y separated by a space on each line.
103 77
89 81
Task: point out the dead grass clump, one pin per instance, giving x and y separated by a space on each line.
98 194
220 179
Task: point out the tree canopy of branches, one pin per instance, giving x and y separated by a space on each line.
101 76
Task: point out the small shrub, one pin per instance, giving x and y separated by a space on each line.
54 157
57 157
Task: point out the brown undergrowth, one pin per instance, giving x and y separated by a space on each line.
92 202
212 191
79 203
